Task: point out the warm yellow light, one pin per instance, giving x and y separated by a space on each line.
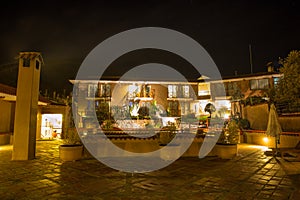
266 140
5 147
226 116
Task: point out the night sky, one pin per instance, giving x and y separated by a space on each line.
65 32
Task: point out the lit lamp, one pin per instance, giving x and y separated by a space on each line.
266 140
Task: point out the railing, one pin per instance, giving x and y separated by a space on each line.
145 133
288 108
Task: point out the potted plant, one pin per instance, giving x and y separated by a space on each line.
72 148
229 138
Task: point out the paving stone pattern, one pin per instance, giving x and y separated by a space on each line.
251 175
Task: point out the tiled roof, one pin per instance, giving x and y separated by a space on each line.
6 89
251 75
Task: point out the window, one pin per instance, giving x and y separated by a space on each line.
133 91
186 91
104 90
203 89
92 90
178 91
173 108
172 91
276 80
218 89
145 91
185 108
259 84
37 64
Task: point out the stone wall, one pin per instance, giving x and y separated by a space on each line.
287 139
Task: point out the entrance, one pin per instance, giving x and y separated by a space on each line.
51 123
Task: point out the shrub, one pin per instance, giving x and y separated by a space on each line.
230 134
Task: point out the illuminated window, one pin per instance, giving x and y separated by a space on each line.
276 80
203 89
172 91
185 108
186 91
259 84
133 91
92 90
145 91
104 90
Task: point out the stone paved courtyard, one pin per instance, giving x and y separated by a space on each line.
251 175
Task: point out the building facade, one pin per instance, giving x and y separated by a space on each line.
151 99
50 117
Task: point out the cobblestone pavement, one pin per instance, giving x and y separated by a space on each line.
251 175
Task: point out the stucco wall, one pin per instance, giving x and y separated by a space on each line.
290 123
257 116
6 116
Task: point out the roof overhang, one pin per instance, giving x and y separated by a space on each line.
132 81
9 97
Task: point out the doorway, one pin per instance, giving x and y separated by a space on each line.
51 126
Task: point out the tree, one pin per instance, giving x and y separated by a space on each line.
287 91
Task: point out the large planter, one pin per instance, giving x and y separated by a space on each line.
170 152
227 151
70 152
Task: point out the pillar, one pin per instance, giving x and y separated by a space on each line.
26 106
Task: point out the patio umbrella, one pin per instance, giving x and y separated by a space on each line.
274 128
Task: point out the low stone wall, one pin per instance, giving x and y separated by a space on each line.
148 145
139 145
287 139
254 137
